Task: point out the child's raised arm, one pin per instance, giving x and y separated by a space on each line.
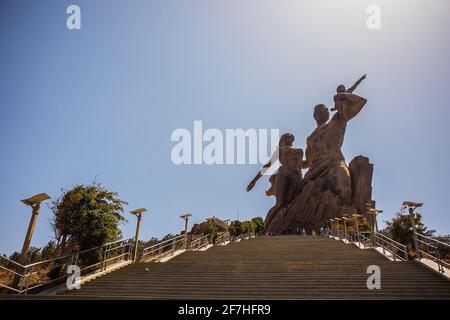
353 87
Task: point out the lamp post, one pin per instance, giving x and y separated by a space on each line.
374 213
35 203
138 214
186 219
331 224
338 226
345 224
355 216
411 207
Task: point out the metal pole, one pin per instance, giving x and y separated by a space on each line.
185 232
376 223
345 227
136 239
414 230
357 230
372 226
26 243
29 235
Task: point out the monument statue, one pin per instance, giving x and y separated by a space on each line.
329 188
286 181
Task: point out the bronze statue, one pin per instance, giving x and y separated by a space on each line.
341 89
328 189
285 182
323 146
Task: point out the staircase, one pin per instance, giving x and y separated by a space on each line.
279 267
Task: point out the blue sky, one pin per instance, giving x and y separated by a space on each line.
101 102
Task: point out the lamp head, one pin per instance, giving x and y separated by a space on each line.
138 212
375 211
36 199
370 204
412 204
186 216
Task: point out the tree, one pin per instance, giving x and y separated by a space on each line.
49 251
33 255
400 229
258 224
235 228
85 217
247 226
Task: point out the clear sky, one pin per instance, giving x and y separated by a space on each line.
101 102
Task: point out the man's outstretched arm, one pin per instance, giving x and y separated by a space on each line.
350 105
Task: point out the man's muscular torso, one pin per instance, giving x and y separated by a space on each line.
325 141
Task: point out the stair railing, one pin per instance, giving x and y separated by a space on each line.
363 241
162 248
199 243
236 238
347 236
222 238
20 278
397 250
329 233
243 236
434 250
10 270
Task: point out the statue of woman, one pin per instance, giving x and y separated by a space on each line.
285 182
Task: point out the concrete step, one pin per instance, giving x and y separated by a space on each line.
280 267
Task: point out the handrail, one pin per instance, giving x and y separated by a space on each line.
200 242
12 261
243 236
386 244
73 254
434 240
362 239
39 274
347 237
158 244
390 239
222 238
173 243
391 245
426 243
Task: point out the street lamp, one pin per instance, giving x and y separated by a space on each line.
186 218
35 203
355 216
345 223
411 207
331 224
138 214
374 213
338 226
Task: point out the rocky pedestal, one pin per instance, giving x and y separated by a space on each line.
317 202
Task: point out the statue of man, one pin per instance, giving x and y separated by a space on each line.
323 147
